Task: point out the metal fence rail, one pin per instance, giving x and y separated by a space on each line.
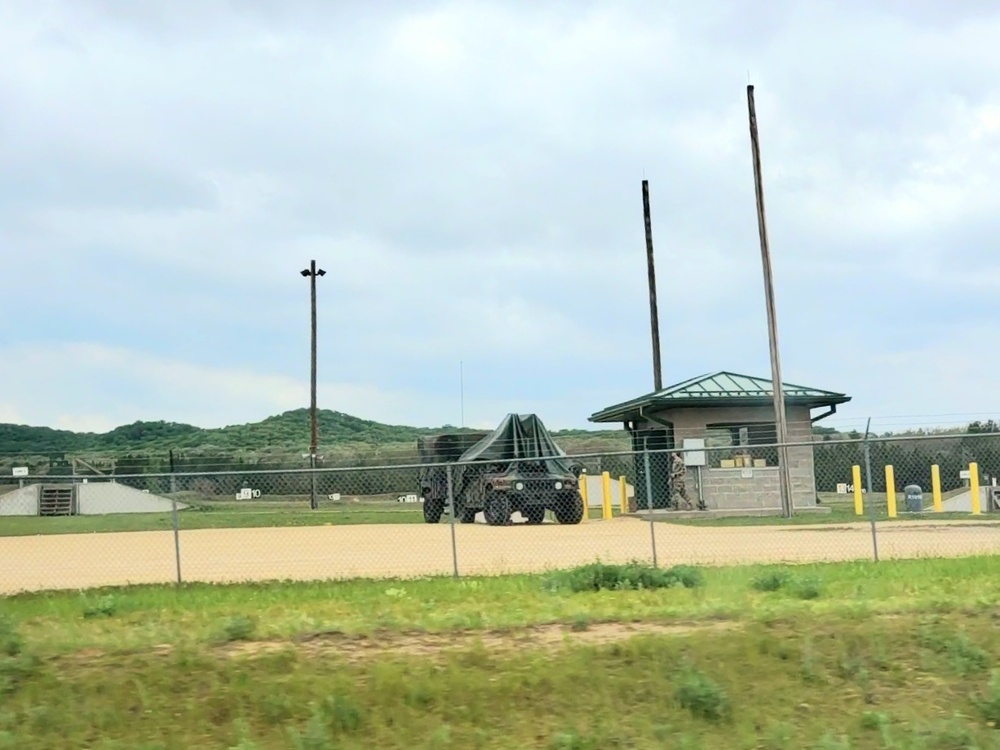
852 499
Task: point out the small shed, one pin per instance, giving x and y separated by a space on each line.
732 416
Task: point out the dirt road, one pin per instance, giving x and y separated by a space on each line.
406 550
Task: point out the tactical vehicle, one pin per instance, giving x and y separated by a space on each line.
516 468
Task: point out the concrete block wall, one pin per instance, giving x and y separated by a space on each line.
20 502
728 488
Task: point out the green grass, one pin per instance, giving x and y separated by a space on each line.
902 655
839 512
227 515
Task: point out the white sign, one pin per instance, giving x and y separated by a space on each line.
694 452
334 496
407 499
842 488
19 471
248 494
746 473
965 474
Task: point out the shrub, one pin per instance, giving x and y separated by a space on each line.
104 607
703 697
989 703
808 588
239 628
771 581
10 639
629 577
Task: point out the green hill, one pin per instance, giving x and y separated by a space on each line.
276 441
288 430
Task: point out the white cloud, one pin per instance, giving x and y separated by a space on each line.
468 175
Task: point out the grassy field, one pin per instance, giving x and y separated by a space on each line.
263 514
828 656
226 515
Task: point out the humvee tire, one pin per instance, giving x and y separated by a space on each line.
433 510
497 509
568 509
534 513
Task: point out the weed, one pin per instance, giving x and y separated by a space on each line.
771 580
808 588
989 702
10 638
239 628
703 697
106 606
243 733
964 656
830 742
573 740
873 720
810 667
316 735
951 734
342 712
779 737
629 577
580 623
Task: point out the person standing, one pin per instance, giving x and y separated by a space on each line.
678 484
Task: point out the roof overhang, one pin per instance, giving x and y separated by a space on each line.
638 408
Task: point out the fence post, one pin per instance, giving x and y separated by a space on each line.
451 521
936 487
177 537
606 495
859 498
974 488
871 503
649 498
890 490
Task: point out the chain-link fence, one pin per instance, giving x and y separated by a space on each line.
846 500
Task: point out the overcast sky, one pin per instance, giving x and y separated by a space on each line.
469 176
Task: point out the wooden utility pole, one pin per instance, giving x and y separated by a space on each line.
654 322
312 272
784 475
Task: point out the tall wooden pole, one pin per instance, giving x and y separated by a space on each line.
312 272
784 475
654 322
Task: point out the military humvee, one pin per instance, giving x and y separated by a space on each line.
516 468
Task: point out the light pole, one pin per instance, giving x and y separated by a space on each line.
312 272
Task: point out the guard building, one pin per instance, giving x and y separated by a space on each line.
725 424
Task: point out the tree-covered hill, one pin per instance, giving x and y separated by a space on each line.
280 441
288 430
283 436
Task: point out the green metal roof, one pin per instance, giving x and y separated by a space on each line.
718 389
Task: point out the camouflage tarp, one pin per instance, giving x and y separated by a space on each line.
520 436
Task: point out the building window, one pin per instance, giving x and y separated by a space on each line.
739 445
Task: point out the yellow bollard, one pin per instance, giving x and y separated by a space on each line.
936 487
584 496
859 501
606 495
974 488
623 494
890 490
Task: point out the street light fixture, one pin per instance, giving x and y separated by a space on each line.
312 272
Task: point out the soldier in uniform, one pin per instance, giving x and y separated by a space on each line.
678 490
